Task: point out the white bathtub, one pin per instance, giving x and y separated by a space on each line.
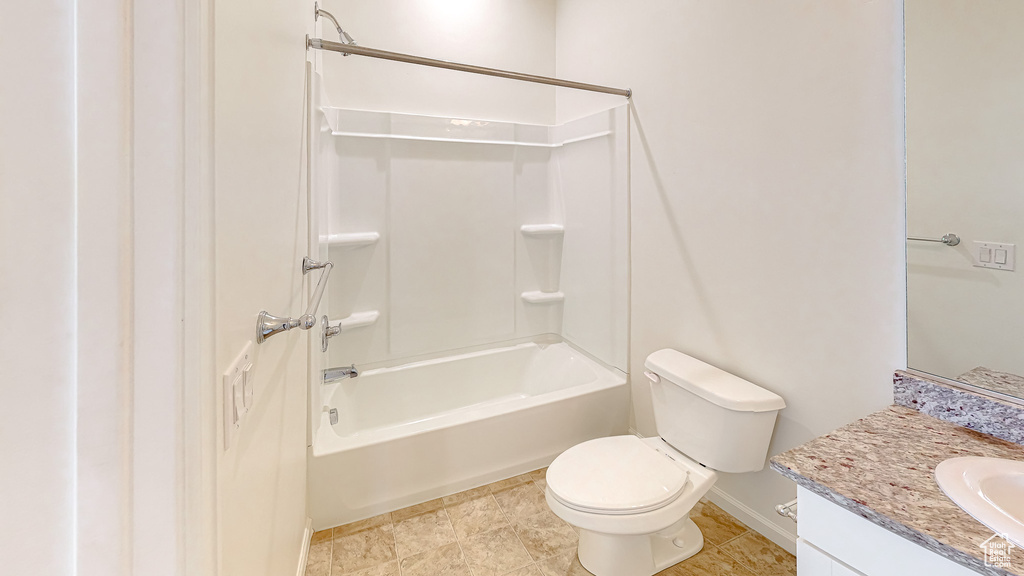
410 433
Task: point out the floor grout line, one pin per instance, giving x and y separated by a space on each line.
457 539
394 533
740 560
514 531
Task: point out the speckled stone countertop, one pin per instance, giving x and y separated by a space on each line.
881 468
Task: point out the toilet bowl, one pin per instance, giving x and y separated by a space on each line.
631 498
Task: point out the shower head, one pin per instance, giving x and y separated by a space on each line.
345 38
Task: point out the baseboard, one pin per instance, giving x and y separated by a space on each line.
304 552
753 520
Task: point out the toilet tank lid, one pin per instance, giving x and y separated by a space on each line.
712 384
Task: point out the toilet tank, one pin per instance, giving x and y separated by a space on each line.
720 420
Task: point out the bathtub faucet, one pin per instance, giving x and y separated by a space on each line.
335 374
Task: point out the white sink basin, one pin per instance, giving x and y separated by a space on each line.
990 489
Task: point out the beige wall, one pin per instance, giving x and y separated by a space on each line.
93 399
510 34
965 133
260 241
37 291
767 198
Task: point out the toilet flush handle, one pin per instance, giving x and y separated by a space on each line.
652 376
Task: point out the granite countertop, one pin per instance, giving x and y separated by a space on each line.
881 468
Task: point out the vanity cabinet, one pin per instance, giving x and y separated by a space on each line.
836 542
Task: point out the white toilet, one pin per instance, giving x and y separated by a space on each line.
631 498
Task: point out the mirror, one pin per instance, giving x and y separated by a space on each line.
965 176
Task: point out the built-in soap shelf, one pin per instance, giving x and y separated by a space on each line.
537 297
351 134
351 239
357 320
542 229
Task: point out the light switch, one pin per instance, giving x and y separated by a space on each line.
994 255
237 393
238 401
247 387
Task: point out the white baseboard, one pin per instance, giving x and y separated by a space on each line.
304 552
753 520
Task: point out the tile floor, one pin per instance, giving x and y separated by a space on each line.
506 529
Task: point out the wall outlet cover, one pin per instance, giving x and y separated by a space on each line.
994 255
238 393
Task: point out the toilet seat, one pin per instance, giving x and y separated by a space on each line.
616 476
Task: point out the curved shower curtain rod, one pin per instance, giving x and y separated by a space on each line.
348 46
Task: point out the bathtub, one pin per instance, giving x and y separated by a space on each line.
407 434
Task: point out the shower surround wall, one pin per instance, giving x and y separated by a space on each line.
453 233
466 244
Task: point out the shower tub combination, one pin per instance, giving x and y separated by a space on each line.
410 433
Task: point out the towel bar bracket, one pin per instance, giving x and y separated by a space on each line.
268 325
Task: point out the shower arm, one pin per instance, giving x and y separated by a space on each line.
345 38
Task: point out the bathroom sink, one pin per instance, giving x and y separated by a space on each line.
990 489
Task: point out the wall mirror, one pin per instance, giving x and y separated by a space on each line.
965 191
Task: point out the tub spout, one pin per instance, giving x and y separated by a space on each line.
335 374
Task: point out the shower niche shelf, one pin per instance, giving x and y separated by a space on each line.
352 239
541 230
357 320
537 297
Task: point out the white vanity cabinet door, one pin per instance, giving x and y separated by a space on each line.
840 570
810 561
813 562
847 540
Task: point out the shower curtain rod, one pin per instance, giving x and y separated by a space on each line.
320 44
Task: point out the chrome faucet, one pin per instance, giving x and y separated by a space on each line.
335 374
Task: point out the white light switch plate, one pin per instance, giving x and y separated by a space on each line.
237 395
994 255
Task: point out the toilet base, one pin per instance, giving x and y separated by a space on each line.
640 555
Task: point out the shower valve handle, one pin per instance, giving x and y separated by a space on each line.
327 332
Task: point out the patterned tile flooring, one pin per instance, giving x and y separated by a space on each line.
506 529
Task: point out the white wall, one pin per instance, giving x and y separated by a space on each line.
92 276
965 133
261 226
37 290
451 264
767 197
509 34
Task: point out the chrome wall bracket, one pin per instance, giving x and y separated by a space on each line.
788 510
268 325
